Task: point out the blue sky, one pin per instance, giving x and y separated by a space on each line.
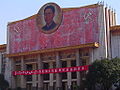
14 10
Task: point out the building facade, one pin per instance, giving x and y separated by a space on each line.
2 58
84 35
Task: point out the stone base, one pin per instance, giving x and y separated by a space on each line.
14 89
68 87
59 88
40 88
78 88
23 89
50 87
34 88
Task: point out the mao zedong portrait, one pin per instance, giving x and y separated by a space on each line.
49 13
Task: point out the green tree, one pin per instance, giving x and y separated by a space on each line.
3 83
103 74
116 71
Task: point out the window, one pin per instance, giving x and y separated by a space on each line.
64 75
29 67
74 74
18 67
46 66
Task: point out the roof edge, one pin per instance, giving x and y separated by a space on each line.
89 45
115 28
63 9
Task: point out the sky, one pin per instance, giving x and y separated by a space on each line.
14 10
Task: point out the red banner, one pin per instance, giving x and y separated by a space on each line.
79 26
53 70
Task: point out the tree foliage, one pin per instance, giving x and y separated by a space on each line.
103 74
3 83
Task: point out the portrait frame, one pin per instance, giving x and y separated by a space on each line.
40 21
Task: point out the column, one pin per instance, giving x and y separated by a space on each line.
78 63
91 55
114 18
23 81
58 75
34 84
69 78
108 32
0 62
40 76
51 77
13 83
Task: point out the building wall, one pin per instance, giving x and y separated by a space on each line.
2 60
68 58
115 44
101 51
8 71
81 56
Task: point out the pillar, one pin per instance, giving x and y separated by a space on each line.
69 78
91 55
40 76
114 18
78 63
34 84
13 83
108 32
23 81
51 77
0 62
58 75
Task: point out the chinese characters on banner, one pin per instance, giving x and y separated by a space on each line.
53 70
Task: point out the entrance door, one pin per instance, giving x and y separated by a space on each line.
54 85
74 85
46 86
64 85
29 86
